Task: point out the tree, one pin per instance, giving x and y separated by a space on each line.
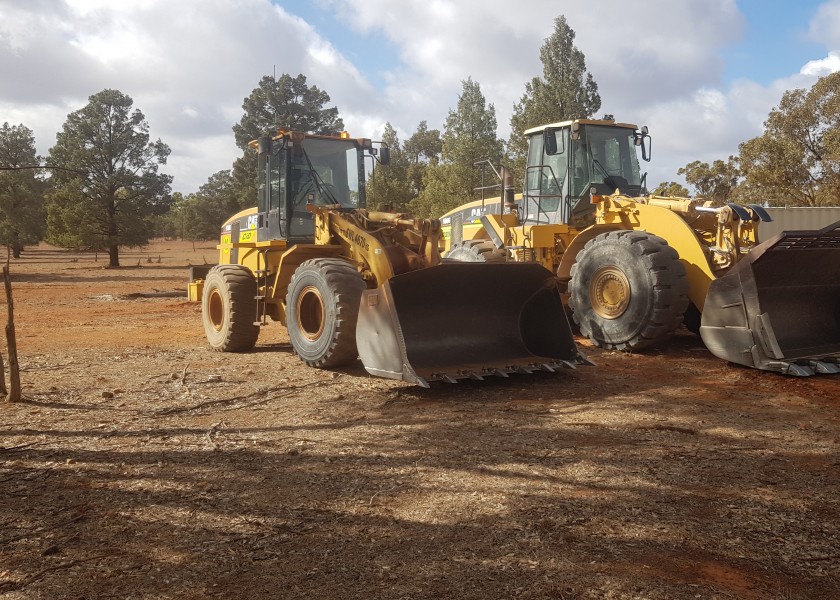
796 161
388 186
283 102
469 137
399 183
109 187
565 91
208 209
671 189
712 182
22 218
422 149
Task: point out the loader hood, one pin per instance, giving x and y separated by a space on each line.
465 320
778 309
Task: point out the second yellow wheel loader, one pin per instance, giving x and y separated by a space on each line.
351 282
636 266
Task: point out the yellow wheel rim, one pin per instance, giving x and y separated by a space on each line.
216 309
311 313
609 292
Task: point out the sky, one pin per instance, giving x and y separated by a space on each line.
701 74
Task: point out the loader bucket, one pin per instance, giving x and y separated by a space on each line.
778 308
462 320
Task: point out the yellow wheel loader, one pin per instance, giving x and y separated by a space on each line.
636 266
348 282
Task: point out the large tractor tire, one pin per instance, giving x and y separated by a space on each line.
476 251
628 290
322 306
229 308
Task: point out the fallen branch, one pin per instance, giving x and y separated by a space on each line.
235 399
208 435
155 294
10 586
821 558
41 530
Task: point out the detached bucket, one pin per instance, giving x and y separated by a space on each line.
778 309
465 320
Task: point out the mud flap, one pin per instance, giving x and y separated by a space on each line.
465 320
778 308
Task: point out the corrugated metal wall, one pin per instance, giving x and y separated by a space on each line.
798 217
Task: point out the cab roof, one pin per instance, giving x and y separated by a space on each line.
567 124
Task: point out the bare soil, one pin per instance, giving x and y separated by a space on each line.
141 464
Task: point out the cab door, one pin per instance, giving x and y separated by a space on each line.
272 194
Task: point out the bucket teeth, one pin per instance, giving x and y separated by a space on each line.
825 368
525 369
799 370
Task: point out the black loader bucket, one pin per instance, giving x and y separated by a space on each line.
778 308
462 320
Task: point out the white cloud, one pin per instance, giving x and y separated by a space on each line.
824 66
825 26
189 65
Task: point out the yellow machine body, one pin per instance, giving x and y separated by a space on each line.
350 282
584 198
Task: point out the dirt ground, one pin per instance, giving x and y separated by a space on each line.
143 465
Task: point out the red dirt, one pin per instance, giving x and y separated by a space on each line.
143 465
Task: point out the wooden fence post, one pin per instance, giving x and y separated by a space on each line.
11 343
3 390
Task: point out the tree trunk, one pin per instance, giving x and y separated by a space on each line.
17 247
114 256
11 343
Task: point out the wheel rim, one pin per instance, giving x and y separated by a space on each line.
310 313
216 310
609 292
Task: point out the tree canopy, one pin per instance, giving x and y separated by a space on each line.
283 102
469 137
199 216
21 205
396 185
565 91
796 161
712 182
671 189
108 187
388 186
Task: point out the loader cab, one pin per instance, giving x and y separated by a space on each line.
297 169
567 161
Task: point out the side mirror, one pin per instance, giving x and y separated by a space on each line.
265 145
384 155
642 139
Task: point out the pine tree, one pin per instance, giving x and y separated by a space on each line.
22 218
469 137
565 91
283 102
108 188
